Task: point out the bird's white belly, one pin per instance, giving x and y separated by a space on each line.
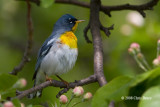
59 60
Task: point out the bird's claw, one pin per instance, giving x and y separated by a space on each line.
66 83
48 79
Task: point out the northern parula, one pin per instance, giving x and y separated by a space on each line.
58 53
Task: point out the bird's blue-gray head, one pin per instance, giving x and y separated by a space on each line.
67 23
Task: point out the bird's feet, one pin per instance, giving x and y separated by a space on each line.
48 79
65 82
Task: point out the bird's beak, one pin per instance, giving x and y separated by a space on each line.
78 21
76 24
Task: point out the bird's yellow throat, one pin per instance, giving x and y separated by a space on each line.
75 27
69 39
76 24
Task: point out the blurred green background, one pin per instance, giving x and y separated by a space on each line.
117 61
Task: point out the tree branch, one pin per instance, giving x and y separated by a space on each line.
140 8
107 9
55 83
97 41
27 52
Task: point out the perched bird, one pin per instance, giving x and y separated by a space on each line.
58 53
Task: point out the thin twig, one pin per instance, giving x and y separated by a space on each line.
140 64
146 64
27 52
72 97
55 83
85 33
106 30
140 8
65 90
107 9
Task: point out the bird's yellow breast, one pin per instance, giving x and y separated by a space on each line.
69 39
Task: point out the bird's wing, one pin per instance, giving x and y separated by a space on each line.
43 52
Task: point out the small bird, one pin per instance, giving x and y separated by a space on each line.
58 53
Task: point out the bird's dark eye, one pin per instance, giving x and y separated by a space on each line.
70 20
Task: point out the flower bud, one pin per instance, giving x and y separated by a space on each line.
140 56
78 91
158 42
63 99
8 104
87 96
131 51
21 83
156 62
135 46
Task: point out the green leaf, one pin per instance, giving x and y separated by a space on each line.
16 103
46 3
151 98
7 81
147 75
123 86
141 83
8 93
114 90
144 81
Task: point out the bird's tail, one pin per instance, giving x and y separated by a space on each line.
38 79
35 94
